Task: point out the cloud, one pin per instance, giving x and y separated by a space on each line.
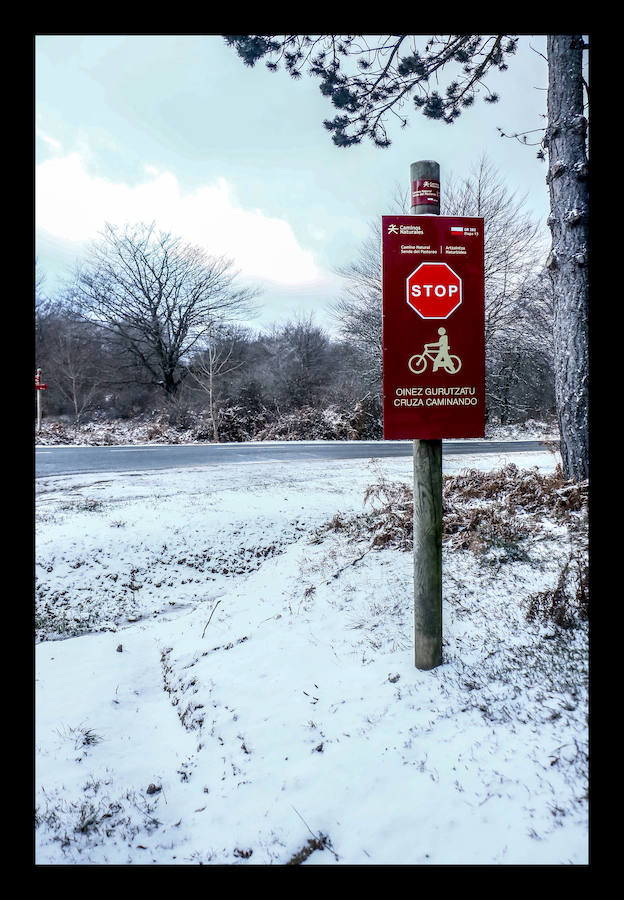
52 143
73 205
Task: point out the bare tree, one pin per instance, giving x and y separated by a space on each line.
157 295
301 360
514 240
520 378
75 372
213 362
358 310
69 350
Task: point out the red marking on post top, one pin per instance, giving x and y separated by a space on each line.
425 192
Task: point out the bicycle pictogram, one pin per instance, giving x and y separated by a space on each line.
436 352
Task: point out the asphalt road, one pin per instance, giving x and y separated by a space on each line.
53 461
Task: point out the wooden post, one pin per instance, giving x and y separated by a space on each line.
37 381
425 200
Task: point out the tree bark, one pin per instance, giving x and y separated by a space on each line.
568 262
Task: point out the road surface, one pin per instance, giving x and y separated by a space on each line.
53 461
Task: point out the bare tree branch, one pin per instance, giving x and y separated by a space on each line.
158 296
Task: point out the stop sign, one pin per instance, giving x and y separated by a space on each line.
434 290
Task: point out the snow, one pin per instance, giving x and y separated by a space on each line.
328 424
234 685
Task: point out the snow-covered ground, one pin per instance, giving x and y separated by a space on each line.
238 687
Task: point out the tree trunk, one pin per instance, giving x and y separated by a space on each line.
568 263
213 406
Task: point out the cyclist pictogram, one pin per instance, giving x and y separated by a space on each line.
438 353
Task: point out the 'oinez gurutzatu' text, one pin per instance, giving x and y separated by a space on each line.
435 396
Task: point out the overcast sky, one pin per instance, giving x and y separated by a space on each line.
177 130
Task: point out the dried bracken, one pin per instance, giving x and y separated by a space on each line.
520 490
500 512
320 842
568 601
480 509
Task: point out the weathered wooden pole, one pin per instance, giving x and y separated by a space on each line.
425 200
37 383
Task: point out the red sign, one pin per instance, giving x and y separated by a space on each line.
426 193
41 387
433 327
434 290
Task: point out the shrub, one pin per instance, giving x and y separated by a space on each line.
568 602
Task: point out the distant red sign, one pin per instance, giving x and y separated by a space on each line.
433 327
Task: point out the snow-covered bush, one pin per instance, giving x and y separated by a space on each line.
361 422
309 424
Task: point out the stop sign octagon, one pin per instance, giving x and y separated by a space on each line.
434 290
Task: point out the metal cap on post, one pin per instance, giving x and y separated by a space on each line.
425 188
